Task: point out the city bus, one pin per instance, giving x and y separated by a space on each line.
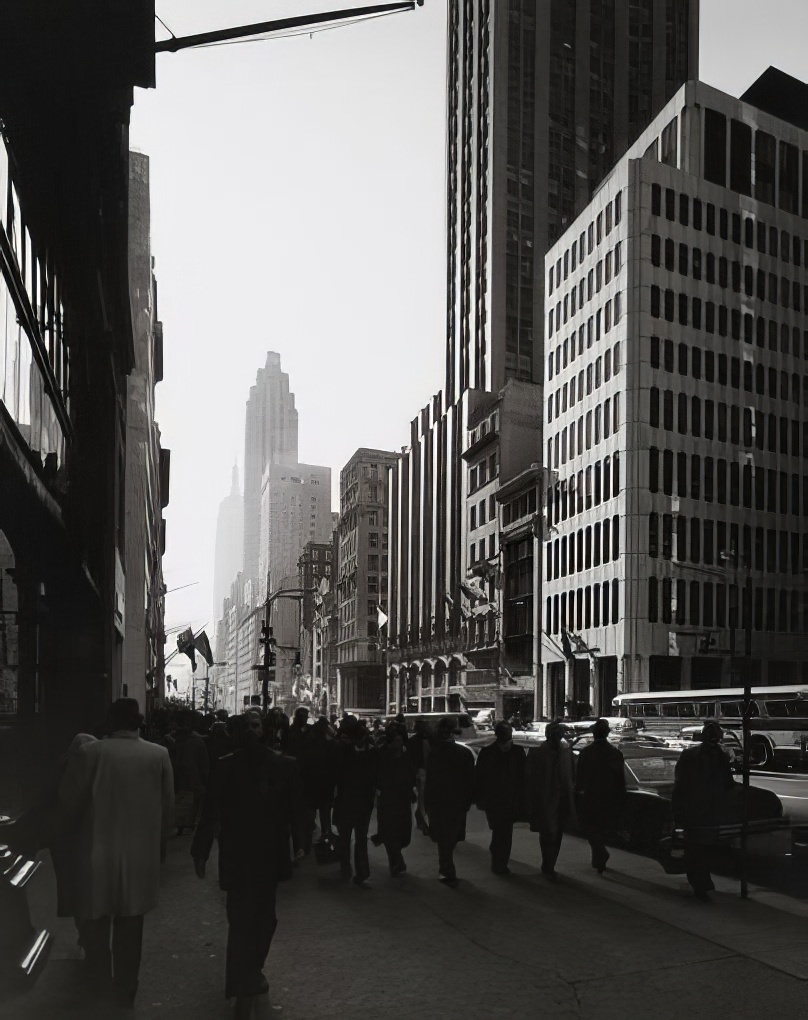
779 716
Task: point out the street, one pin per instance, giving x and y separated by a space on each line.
632 943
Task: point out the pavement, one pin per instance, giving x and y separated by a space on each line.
631 943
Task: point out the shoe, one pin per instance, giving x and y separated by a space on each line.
361 883
449 880
702 894
501 871
398 869
550 874
300 854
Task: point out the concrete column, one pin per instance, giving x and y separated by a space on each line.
569 679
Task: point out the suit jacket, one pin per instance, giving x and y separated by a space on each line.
118 794
448 790
600 784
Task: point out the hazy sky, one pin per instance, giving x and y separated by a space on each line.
297 190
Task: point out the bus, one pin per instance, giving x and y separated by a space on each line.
778 721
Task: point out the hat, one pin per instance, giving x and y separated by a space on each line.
503 729
711 732
446 726
601 728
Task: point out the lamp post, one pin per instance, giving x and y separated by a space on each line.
746 611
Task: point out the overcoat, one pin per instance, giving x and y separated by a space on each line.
548 778
118 794
600 785
703 781
396 784
500 782
449 790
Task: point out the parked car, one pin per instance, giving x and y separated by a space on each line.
647 824
23 949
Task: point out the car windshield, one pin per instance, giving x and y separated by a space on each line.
652 769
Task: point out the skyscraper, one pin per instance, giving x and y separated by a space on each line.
270 437
229 544
543 98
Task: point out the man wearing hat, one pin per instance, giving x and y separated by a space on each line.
499 791
702 780
118 793
600 791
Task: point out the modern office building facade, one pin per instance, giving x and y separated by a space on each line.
543 98
676 421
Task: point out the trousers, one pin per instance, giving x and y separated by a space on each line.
251 922
112 949
501 840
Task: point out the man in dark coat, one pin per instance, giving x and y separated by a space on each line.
448 795
548 776
703 778
418 748
500 792
396 785
250 805
317 764
355 790
600 790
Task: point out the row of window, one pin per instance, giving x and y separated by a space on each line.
479 551
754 378
583 549
717 269
718 222
709 604
587 333
717 318
592 378
727 482
586 289
596 605
483 472
773 551
745 426
599 228
520 506
477 513
590 487
753 162
612 312
587 432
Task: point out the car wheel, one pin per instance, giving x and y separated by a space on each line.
760 752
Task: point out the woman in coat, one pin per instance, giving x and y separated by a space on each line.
549 794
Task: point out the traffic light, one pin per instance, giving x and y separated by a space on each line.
269 643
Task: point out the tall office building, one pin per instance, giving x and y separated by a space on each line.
229 549
676 412
543 98
270 437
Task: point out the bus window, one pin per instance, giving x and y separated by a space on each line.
778 709
687 710
651 711
634 709
798 709
731 709
670 710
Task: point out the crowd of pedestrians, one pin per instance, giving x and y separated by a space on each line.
261 785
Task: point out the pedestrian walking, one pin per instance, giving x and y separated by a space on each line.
296 746
418 746
191 770
448 795
600 792
117 794
499 790
317 770
396 785
353 805
548 776
702 782
249 808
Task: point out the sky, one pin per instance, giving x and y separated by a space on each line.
297 201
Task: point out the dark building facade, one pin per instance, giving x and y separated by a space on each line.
66 87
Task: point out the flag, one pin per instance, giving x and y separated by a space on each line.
471 591
381 617
185 646
202 645
566 647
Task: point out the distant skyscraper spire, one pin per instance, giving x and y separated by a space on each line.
270 437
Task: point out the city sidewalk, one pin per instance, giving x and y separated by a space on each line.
632 943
